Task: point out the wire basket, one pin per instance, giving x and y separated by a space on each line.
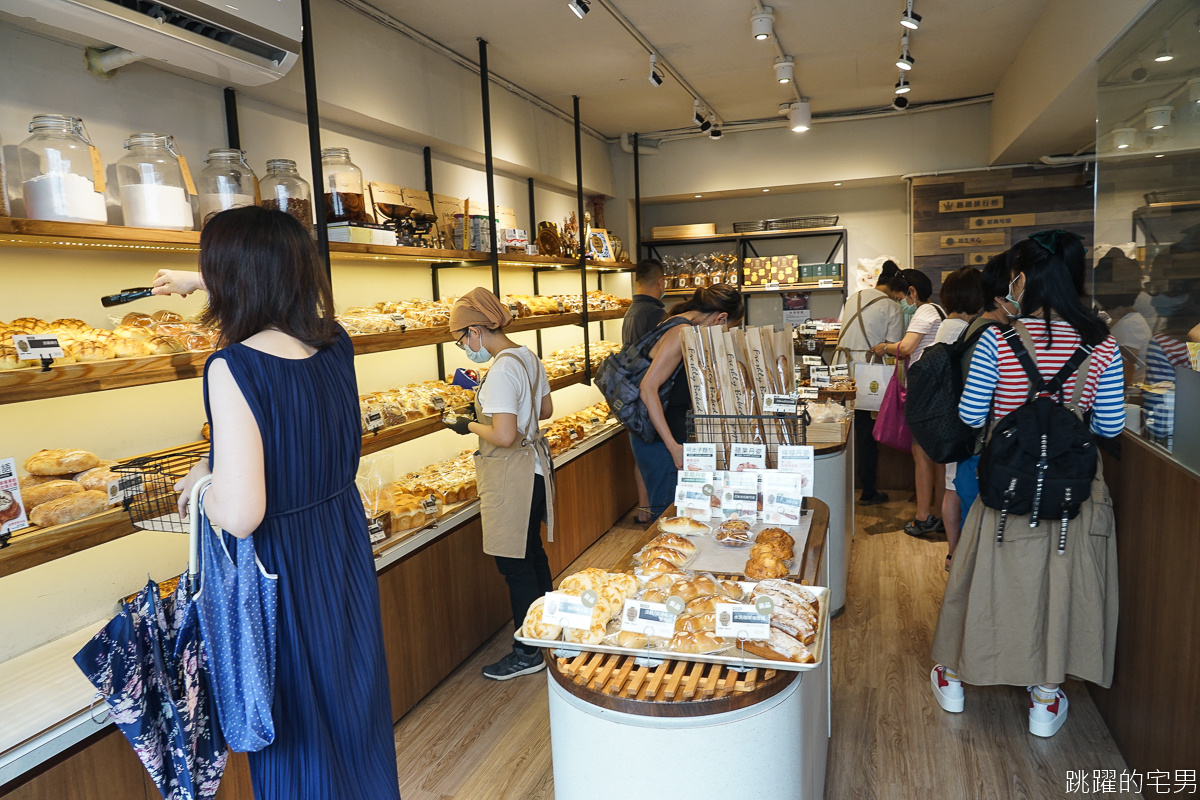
799 223
770 430
155 506
750 227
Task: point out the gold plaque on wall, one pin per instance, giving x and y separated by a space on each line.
1004 221
959 204
981 258
972 239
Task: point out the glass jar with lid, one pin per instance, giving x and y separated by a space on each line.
284 190
225 182
343 187
152 187
57 175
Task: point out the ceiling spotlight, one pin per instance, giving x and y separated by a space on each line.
1158 117
839 183
902 86
698 112
1164 52
905 61
900 102
762 23
785 70
1160 155
766 190
706 124
579 7
715 133
699 196
1194 90
1139 74
656 77
800 116
1123 138
908 19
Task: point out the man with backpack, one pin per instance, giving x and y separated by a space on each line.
870 316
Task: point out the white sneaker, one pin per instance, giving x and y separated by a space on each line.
947 691
1046 718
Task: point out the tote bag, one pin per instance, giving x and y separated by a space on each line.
890 426
871 382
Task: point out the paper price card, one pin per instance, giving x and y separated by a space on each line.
429 505
839 371
652 619
742 621
398 319
812 361
783 498
35 347
691 500
569 611
374 420
818 376
800 460
743 457
739 499
807 393
12 510
379 527
700 457
695 479
779 404
123 488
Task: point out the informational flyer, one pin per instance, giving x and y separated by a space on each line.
747 457
693 494
801 460
783 501
796 309
12 509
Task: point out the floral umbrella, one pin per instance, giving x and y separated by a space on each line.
149 665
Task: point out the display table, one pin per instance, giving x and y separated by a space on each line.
678 707
833 482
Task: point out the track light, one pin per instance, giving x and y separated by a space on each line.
900 102
800 116
579 7
785 69
1164 52
1194 90
715 133
705 125
902 86
1158 117
905 61
1123 138
909 19
656 77
762 23
698 112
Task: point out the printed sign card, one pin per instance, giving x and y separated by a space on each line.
700 457
652 619
739 500
12 509
742 621
745 457
782 498
801 460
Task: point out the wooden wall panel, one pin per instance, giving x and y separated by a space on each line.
103 768
1059 197
1154 703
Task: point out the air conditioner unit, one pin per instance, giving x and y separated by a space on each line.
245 42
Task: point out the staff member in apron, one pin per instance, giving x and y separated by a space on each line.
513 467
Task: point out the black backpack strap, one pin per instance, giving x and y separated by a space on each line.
1015 337
1028 362
941 311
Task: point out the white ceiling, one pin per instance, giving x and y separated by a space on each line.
844 51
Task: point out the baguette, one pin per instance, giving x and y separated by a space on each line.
60 462
684 525
780 647
34 496
69 508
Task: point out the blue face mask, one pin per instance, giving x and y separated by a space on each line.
908 308
1016 301
480 356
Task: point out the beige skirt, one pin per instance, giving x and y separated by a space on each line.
1019 613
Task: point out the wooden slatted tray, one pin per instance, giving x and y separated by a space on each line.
670 681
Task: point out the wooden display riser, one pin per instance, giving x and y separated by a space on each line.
439 604
670 681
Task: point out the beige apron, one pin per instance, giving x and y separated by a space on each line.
504 476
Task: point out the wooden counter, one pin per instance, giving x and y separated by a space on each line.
1154 702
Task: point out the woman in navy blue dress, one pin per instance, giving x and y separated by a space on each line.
282 401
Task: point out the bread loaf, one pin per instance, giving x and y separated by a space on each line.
97 477
535 626
780 647
34 496
591 636
658 566
694 623
698 642
665 553
26 481
683 525
60 462
69 508
664 581
675 541
766 566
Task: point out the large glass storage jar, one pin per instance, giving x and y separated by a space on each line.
284 190
225 182
152 188
56 172
343 186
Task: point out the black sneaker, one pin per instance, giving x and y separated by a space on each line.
923 527
873 500
514 665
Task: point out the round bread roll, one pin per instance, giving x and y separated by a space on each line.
131 348
613 597
685 590
579 583
535 626
659 567
675 541
656 595
166 316
165 345
734 525
29 325
94 351
698 642
694 623
45 492
60 462
683 525
665 581
733 536
665 553
765 567
133 331
777 549
704 584
774 534
9 360
593 635
732 590
138 320
625 582
704 605
632 639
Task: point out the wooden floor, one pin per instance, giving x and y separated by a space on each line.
474 739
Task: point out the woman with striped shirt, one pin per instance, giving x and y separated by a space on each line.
1021 614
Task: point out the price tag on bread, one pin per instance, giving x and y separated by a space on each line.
569 611
839 371
807 393
378 527
812 361
652 619
399 321
36 346
12 509
818 376
374 420
123 488
742 621
779 404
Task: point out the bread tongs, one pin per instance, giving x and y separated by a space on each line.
126 296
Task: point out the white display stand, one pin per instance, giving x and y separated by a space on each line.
834 484
776 748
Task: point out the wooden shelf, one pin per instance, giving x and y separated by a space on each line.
706 238
795 287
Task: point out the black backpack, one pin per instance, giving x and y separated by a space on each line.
1041 459
935 385
619 379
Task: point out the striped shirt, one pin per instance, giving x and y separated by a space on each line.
1163 355
997 376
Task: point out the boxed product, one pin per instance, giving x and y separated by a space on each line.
512 240
785 269
360 233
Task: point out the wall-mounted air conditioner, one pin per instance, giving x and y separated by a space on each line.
245 42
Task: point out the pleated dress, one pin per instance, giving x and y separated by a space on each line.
332 710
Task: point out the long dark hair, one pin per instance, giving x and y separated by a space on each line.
262 271
917 280
1050 285
719 299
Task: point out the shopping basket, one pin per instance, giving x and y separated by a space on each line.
155 507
